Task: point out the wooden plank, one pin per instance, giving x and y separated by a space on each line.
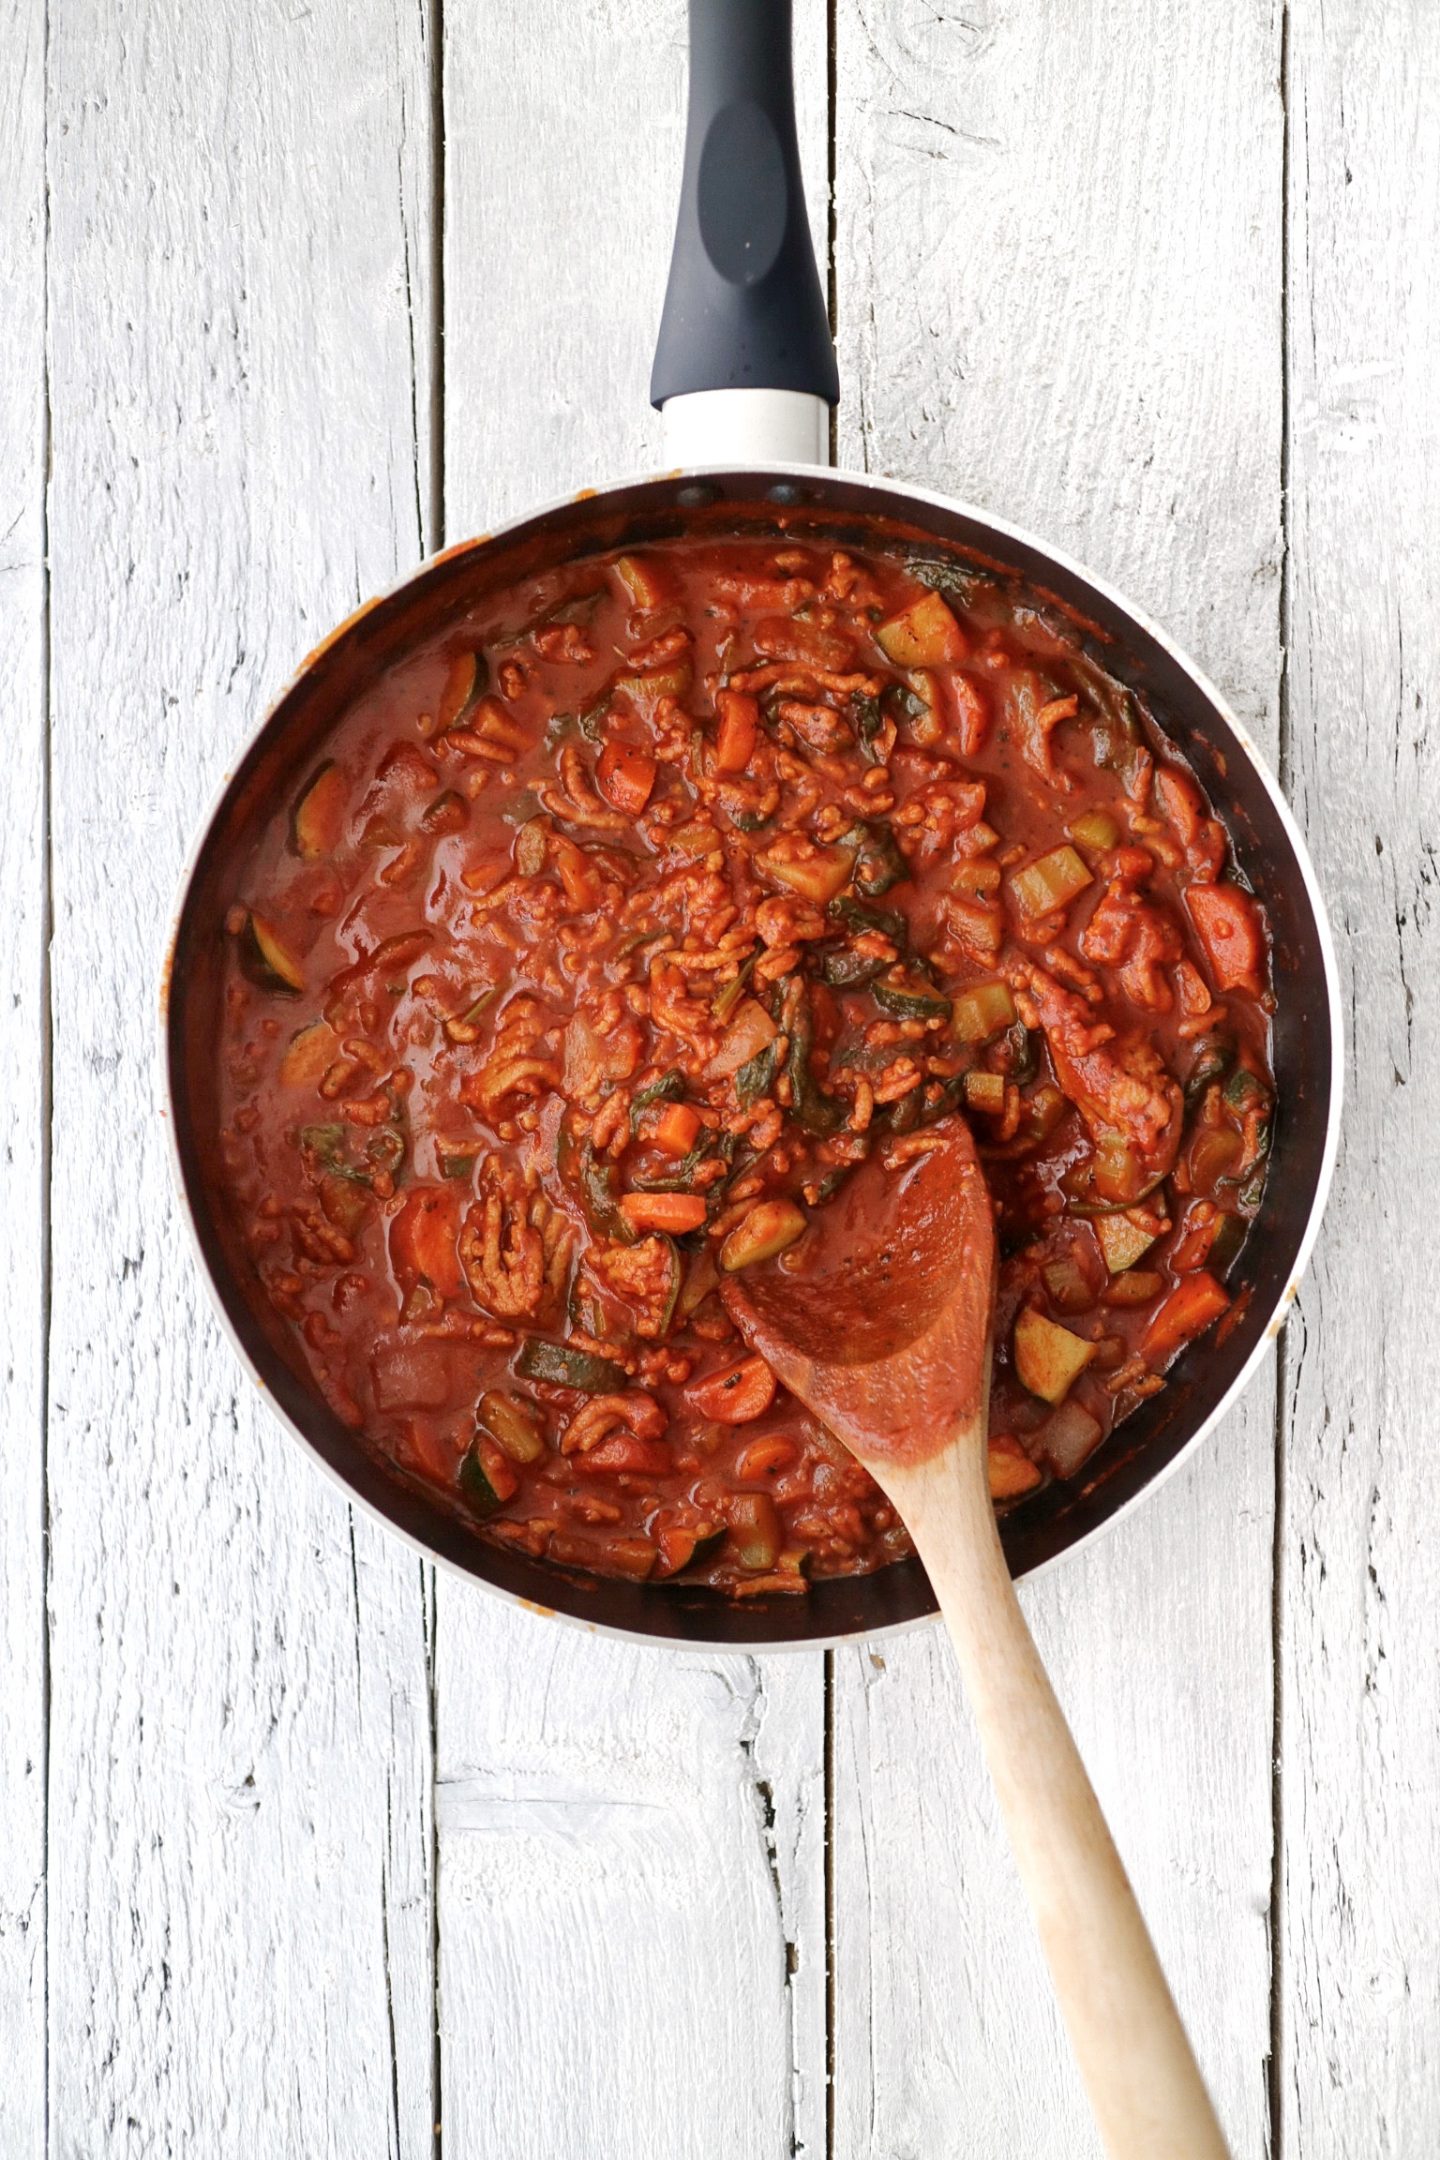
1058 291
631 1879
1360 1583
240 1897
23 1104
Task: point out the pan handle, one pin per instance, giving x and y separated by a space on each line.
744 366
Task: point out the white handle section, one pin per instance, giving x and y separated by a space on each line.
746 427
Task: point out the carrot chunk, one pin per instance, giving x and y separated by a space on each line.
626 776
1189 1309
736 1395
423 1237
1231 929
676 1212
676 1129
739 725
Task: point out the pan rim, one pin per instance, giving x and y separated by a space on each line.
883 487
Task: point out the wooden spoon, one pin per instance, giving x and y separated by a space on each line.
880 1322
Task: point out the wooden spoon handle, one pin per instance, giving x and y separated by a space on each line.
1136 2062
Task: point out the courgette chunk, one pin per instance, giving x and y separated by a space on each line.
564 1367
480 1494
318 818
907 994
267 959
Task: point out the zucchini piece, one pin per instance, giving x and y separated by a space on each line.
464 682
310 1052
845 969
879 863
771 1227
985 1093
480 1494
1122 1241
318 818
1214 1055
562 1366
1048 1358
756 1530
1227 1241
267 959
645 582
818 876
859 916
981 1012
513 1424
458 1165
907 993
1050 882
925 634
1097 830
1244 1092
600 1199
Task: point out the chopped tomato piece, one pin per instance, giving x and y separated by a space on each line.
1228 924
1188 1311
626 776
736 1395
739 725
676 1212
423 1235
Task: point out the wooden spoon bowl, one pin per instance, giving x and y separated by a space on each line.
880 1322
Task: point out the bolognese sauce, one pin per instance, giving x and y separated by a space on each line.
614 929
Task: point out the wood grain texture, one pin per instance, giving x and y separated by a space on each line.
1058 284
631 1924
240 1916
23 1107
1360 1583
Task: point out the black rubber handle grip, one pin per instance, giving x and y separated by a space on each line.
743 308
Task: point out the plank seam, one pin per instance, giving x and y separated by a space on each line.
47 1086
436 536
1275 2122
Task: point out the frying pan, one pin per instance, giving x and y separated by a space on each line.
745 379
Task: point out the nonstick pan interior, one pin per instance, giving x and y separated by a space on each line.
834 507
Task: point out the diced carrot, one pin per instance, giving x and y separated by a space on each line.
762 1456
676 1212
625 1451
676 1129
735 1395
423 1236
739 725
1189 1309
1231 929
626 776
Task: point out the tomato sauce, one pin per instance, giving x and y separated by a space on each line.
617 926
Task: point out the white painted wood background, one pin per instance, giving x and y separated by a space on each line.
305 1852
